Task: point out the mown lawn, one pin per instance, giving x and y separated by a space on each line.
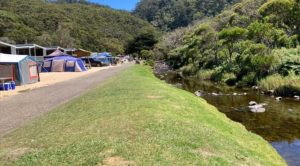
135 119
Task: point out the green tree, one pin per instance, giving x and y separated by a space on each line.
144 41
63 36
278 11
283 13
230 36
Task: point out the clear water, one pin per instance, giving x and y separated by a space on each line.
280 124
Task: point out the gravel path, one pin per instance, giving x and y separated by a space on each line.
17 110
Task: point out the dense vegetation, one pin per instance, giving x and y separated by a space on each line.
171 14
68 24
255 42
135 119
69 1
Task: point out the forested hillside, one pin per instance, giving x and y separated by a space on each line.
255 42
171 14
88 26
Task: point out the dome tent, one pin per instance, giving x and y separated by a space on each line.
20 68
63 64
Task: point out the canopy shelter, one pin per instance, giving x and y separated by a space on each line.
69 51
63 64
21 49
34 50
22 69
7 48
82 53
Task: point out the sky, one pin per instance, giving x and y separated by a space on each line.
118 4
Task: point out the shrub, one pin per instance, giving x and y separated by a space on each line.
229 79
149 63
217 76
288 60
249 79
189 70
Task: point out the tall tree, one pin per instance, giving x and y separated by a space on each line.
230 36
144 41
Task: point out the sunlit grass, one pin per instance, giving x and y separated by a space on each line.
135 119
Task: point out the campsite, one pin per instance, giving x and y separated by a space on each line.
46 67
150 82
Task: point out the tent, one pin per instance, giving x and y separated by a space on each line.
104 58
63 64
56 53
20 68
109 57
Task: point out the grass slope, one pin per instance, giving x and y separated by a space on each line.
135 119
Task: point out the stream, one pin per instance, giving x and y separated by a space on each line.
279 125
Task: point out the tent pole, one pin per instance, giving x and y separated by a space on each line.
89 63
13 72
35 53
38 72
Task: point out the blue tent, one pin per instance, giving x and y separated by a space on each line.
20 68
106 54
63 64
104 58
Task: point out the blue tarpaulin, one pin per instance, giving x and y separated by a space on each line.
104 57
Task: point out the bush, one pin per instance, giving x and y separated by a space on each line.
249 79
217 76
288 60
229 79
189 70
147 54
149 63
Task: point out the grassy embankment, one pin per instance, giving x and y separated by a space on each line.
135 119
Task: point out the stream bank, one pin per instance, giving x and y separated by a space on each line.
279 124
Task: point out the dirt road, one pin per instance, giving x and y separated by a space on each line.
17 110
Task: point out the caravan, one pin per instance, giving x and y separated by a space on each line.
21 69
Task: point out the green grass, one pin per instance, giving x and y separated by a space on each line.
135 119
286 86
